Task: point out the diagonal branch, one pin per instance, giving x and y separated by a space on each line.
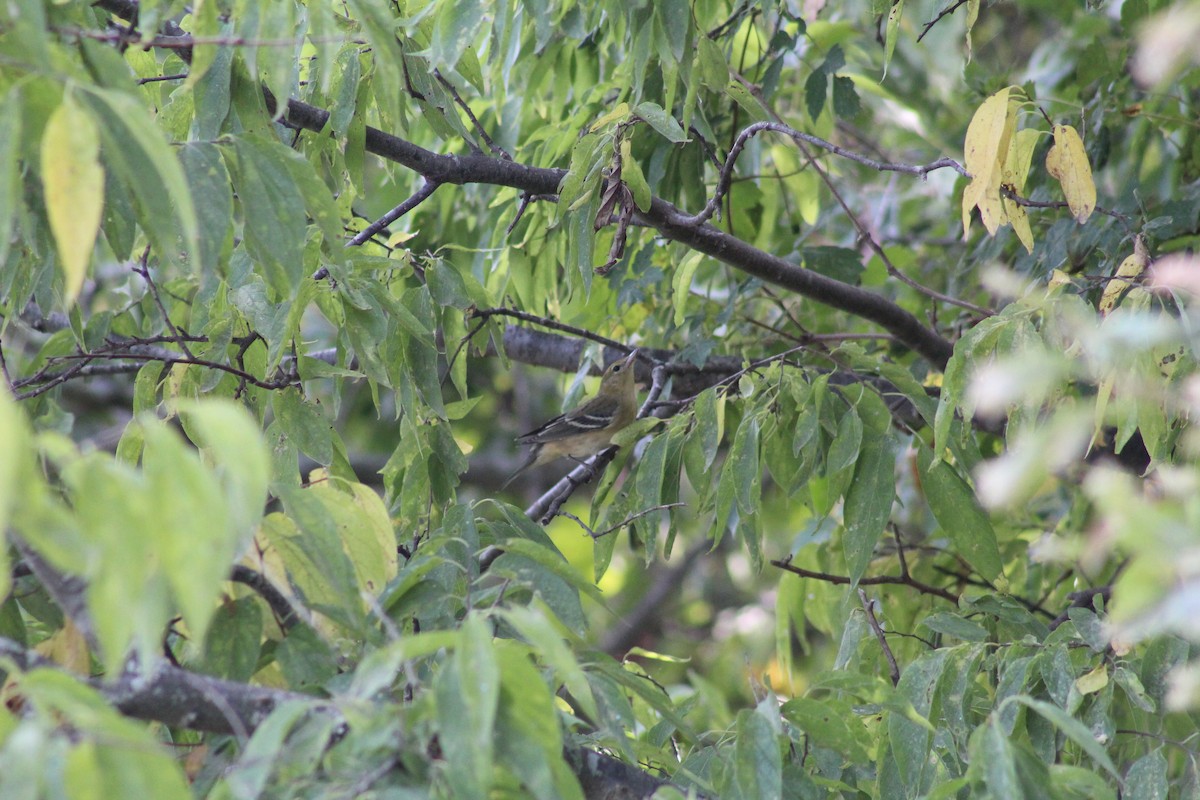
418 197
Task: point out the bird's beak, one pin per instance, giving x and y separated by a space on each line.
629 359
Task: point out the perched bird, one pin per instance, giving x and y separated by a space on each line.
588 428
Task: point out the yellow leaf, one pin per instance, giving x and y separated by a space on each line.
681 283
991 204
1094 681
1059 278
972 18
1020 156
987 140
1020 223
1133 266
73 180
1067 162
67 647
620 112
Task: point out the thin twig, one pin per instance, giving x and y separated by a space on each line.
143 269
167 358
877 580
1009 194
428 187
623 522
869 607
876 248
739 144
552 324
950 9
177 77
495 148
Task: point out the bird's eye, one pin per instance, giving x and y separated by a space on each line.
617 368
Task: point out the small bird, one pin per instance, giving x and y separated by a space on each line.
588 428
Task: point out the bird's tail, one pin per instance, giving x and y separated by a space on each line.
530 460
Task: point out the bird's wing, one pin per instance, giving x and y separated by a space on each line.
594 415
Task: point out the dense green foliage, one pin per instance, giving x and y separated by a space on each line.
918 513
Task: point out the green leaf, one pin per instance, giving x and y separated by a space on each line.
210 182
10 140
136 153
675 16
714 69
364 530
456 23
230 437
829 724
468 695
554 562
648 491
743 461
317 565
908 729
661 121
379 667
528 737
271 207
995 754
845 98
16 471
839 263
844 449
233 641
555 649
1075 730
960 515
305 424
956 626
757 766
869 502
631 173
1078 782
816 88
198 540
249 775
891 33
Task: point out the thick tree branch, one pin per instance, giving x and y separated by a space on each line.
668 220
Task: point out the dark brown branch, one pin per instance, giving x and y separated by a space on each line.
483 134
869 607
552 324
418 197
878 580
165 356
950 9
143 269
1009 194
281 607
